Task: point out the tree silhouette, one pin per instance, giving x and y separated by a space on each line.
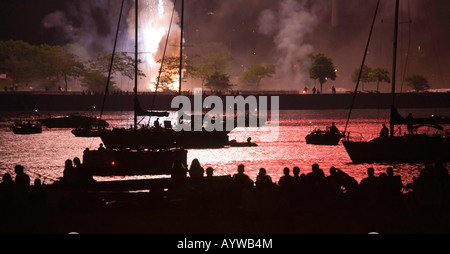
255 73
417 82
380 75
218 81
366 76
322 69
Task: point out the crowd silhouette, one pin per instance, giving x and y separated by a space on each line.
295 190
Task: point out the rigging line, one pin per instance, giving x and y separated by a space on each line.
362 66
112 61
164 56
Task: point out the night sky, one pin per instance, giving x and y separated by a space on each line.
262 31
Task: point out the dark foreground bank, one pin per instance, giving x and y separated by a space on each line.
307 203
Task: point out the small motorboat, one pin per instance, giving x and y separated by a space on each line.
27 124
321 137
234 143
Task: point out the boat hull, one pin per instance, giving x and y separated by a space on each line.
25 130
412 149
323 138
132 162
149 138
73 122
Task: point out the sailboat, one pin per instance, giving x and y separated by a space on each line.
157 136
408 148
135 151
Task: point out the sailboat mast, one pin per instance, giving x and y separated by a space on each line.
181 46
136 62
394 64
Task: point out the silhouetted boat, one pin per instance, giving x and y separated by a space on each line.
411 147
27 124
139 151
72 121
127 162
249 143
88 131
321 137
156 136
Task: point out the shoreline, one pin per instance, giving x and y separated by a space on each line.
76 101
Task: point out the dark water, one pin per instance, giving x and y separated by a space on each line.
43 155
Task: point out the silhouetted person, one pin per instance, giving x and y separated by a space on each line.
6 190
196 170
384 133
409 123
263 180
349 183
101 147
156 123
296 174
333 183
391 185
333 90
209 172
241 180
38 195
82 173
286 180
368 186
314 90
316 173
69 174
7 180
333 128
22 179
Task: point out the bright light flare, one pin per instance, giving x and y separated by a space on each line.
154 21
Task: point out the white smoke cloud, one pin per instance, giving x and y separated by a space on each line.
290 26
89 23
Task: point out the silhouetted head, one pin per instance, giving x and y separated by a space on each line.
315 167
296 171
68 163
390 171
7 178
262 171
240 168
286 171
195 162
209 171
18 169
76 161
37 182
333 170
370 172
